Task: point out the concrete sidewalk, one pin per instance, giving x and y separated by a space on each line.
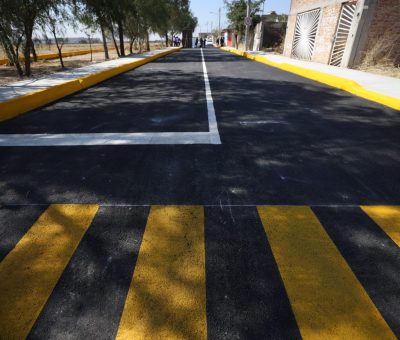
388 86
22 88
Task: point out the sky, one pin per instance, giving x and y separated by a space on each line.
206 12
202 8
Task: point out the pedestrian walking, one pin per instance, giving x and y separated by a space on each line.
201 42
196 42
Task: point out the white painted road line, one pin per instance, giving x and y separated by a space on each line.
146 138
212 119
86 139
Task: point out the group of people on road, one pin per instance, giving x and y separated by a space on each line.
221 41
176 41
201 43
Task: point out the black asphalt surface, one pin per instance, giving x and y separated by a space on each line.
92 291
286 140
373 257
245 295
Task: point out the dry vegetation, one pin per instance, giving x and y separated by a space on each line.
382 55
383 51
46 49
42 68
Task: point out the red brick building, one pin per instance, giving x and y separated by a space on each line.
342 32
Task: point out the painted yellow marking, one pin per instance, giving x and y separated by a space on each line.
388 218
29 273
327 299
167 298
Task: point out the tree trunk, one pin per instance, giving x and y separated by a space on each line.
60 57
166 39
12 55
91 51
131 45
35 58
172 39
28 28
121 38
103 35
115 42
147 41
59 48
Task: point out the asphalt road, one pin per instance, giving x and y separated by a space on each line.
285 141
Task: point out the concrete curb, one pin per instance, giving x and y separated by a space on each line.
22 104
328 79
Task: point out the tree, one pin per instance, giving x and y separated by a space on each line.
172 16
53 20
94 14
133 19
135 28
11 37
118 10
237 11
24 14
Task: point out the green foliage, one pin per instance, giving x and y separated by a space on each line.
132 19
22 15
237 11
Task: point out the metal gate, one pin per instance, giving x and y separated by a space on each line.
342 33
305 33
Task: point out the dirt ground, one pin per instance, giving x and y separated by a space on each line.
41 68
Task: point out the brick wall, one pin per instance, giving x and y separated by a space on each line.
385 30
326 32
330 11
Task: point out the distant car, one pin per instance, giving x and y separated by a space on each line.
209 42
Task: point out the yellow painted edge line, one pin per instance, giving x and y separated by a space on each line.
328 79
14 107
167 295
29 273
388 218
327 299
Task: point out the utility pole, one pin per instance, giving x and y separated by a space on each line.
219 22
246 37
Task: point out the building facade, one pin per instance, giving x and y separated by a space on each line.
341 32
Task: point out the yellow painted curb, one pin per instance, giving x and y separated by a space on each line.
328 79
19 105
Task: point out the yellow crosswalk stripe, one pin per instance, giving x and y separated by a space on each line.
327 299
29 273
388 218
167 298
